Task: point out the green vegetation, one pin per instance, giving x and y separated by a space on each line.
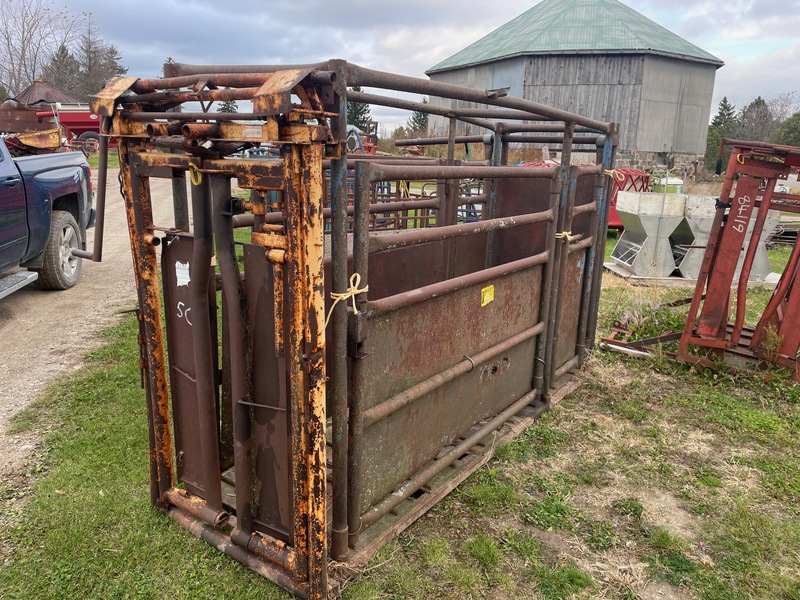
652 478
113 159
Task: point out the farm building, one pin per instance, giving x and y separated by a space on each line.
602 59
18 115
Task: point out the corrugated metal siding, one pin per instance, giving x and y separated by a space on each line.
676 104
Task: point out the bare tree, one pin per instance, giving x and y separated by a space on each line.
782 106
30 33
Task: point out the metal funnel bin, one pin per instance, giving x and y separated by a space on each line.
699 220
666 235
649 220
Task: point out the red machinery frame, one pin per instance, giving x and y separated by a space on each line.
753 170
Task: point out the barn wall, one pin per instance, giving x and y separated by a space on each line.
661 104
676 104
603 87
508 73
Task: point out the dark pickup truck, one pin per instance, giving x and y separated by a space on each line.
45 210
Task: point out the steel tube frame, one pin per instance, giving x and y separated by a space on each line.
357 455
236 315
139 213
297 253
338 365
362 76
404 299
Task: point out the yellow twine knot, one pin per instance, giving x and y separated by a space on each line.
195 175
615 174
403 187
352 292
564 235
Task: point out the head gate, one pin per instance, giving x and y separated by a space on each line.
346 337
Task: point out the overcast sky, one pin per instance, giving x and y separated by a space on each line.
757 39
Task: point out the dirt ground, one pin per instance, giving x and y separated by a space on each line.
46 334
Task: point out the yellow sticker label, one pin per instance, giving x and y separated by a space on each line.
487 295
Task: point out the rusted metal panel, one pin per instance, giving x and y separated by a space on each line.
105 101
517 197
269 402
422 344
570 305
179 318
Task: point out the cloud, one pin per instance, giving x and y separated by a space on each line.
756 39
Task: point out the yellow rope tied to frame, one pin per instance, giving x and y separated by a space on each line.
403 187
564 235
195 175
615 174
351 293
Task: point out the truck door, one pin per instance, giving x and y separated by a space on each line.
13 224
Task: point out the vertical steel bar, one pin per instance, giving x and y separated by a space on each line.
314 251
563 265
501 131
547 286
490 186
205 369
306 360
338 366
138 208
607 158
180 200
356 338
296 349
560 248
451 141
236 325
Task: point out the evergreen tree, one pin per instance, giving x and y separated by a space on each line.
725 114
755 122
99 61
227 106
788 133
63 72
358 113
418 123
4 95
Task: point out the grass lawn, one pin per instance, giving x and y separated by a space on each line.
113 159
653 480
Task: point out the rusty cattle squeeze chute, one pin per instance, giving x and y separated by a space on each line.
322 384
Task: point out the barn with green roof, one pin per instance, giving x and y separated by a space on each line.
601 59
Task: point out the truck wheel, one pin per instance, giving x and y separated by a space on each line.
90 140
61 270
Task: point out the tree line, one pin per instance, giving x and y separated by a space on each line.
359 115
776 120
62 49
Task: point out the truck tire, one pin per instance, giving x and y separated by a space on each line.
91 140
61 270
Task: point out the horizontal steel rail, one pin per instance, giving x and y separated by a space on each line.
395 403
412 237
404 299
